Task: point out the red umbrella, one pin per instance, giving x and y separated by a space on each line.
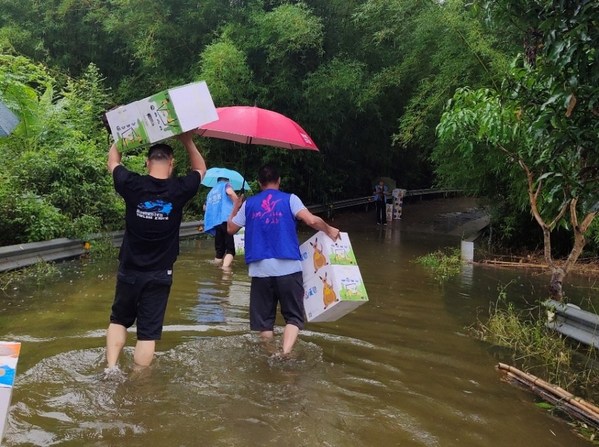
253 125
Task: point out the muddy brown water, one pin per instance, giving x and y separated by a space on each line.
401 370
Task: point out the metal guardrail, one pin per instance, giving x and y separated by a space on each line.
429 191
573 322
17 256
328 208
13 257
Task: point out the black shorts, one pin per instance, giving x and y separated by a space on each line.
223 242
265 293
142 296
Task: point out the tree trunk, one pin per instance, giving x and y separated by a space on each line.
558 273
558 270
556 291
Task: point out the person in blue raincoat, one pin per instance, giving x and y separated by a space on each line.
219 204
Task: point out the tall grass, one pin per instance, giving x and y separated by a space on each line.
37 273
443 263
543 352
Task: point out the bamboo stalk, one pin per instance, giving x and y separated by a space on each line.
555 393
513 264
558 391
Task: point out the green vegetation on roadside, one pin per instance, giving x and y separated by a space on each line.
532 347
37 274
443 263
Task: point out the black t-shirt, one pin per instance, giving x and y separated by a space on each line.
154 209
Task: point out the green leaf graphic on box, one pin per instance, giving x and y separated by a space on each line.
131 135
342 257
351 291
163 112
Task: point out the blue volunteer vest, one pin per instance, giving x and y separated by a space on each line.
218 207
270 227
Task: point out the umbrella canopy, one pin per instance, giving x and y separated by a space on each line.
8 120
235 178
253 125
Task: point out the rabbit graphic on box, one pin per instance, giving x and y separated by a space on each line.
318 257
328 293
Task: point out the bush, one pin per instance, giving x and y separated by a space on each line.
443 263
27 217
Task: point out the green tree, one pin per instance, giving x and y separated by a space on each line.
543 121
225 69
419 53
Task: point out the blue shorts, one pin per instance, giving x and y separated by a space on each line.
266 293
142 296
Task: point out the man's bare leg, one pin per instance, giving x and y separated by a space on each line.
289 338
116 336
267 335
227 260
144 352
267 338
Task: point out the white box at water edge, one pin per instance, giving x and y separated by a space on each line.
333 292
160 116
389 212
320 250
239 240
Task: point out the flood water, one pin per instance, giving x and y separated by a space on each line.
401 370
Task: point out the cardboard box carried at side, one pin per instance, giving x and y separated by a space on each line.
160 116
239 241
333 292
333 284
320 250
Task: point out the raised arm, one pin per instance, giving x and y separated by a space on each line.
317 223
114 158
231 193
195 158
232 227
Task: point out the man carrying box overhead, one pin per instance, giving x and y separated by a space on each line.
273 256
154 209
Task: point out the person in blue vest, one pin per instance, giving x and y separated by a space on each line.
219 204
273 256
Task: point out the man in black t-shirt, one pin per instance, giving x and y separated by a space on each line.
154 209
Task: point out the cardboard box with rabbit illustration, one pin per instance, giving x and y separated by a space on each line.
9 356
333 284
161 116
239 241
320 250
333 292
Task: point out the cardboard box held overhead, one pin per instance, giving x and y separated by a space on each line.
160 116
333 284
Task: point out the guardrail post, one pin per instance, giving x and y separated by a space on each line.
573 322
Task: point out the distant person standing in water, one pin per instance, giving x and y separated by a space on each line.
219 204
273 256
381 192
153 213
